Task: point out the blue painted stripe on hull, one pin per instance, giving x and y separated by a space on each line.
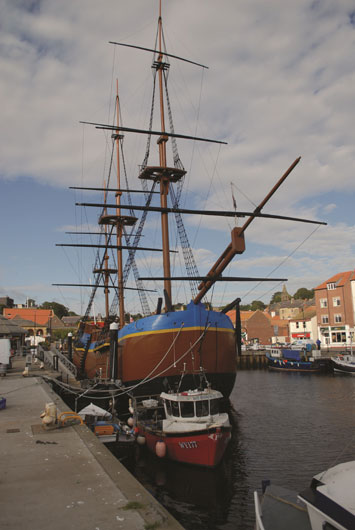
194 316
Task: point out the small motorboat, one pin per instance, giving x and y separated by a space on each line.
328 504
185 426
105 427
344 364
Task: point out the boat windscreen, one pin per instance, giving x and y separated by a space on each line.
187 409
214 406
202 408
168 407
175 408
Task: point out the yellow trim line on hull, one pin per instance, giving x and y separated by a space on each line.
160 331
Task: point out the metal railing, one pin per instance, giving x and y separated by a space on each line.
57 361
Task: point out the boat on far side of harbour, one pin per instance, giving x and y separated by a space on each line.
290 360
344 363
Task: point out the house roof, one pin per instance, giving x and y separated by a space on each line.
38 316
9 327
71 321
339 279
244 315
23 322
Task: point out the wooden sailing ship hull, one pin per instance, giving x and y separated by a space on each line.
154 351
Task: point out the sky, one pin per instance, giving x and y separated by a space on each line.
280 84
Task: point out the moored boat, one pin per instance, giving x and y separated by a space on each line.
287 360
344 364
105 427
327 504
187 426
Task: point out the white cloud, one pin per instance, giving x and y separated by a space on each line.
280 86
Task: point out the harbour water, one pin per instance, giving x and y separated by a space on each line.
287 428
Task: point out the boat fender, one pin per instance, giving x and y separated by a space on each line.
135 431
130 421
140 439
160 449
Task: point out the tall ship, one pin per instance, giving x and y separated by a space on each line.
148 355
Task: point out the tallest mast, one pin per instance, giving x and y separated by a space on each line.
164 182
163 173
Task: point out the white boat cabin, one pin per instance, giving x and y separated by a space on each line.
192 406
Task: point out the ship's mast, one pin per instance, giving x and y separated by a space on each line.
119 222
164 182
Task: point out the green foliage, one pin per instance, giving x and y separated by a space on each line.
58 309
257 305
276 297
61 334
133 505
304 294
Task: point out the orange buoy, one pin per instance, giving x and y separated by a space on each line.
160 449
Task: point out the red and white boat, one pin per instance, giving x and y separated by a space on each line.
185 426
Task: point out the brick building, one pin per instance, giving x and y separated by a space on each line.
335 306
259 326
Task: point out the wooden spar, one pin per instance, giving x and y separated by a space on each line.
152 133
123 247
237 245
109 189
269 195
215 278
164 182
100 286
154 51
217 213
119 226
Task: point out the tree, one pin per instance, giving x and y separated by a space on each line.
276 297
304 294
257 305
58 309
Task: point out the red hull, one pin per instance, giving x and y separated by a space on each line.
202 448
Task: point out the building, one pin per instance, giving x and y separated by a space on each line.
335 306
6 301
260 327
288 308
37 322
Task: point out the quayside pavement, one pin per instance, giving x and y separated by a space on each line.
65 478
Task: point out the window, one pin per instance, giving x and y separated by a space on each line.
202 408
168 406
323 302
336 301
337 318
339 336
175 408
330 286
214 406
325 319
187 409
297 325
